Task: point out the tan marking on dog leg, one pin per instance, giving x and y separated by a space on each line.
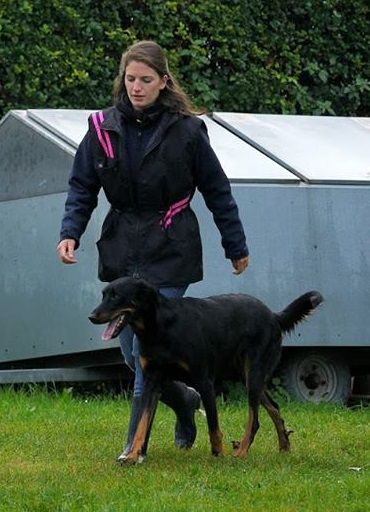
283 434
216 442
139 438
242 446
143 362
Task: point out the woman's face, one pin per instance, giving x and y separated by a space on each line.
143 84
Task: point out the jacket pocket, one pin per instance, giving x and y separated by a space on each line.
112 248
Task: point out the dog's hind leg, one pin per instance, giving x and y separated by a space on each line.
207 393
274 412
255 388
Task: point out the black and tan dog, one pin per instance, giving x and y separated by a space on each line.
195 340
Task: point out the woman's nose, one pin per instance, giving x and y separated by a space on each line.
136 86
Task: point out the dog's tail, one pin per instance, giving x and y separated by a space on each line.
298 310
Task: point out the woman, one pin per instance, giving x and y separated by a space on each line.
150 152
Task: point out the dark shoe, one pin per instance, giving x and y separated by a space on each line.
184 401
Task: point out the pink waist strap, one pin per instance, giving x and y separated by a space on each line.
173 210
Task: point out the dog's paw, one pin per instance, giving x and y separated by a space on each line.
239 453
238 450
217 454
217 451
130 458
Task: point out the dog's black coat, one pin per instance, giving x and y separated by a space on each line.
195 340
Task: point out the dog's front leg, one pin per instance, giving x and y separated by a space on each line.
149 400
207 393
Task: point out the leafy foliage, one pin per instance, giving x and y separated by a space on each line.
309 57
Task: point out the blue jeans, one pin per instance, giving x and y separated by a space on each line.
130 345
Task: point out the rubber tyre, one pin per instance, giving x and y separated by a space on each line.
316 377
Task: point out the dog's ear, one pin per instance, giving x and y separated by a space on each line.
146 295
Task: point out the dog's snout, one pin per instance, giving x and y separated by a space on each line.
93 318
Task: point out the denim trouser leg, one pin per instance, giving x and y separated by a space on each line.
130 345
126 341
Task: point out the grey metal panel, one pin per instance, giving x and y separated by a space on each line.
240 161
22 116
69 125
31 162
319 149
300 238
44 304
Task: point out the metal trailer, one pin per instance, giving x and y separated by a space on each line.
302 187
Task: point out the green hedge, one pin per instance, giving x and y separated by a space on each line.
306 57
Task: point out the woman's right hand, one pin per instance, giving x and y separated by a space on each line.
65 249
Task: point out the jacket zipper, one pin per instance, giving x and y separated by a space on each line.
136 273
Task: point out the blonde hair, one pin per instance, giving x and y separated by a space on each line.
151 54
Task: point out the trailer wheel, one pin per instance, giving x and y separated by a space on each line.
316 377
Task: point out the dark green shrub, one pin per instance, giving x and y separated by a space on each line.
308 57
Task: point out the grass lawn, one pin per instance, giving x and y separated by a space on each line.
57 453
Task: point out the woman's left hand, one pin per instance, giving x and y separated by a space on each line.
240 265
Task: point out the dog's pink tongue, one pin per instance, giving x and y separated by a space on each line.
109 330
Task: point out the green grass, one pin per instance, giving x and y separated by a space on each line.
57 453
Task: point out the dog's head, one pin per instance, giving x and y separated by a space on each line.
125 300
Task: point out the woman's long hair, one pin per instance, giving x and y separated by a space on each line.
151 54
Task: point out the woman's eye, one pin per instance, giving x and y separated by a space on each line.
145 79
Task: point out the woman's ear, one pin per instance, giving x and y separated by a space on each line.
164 80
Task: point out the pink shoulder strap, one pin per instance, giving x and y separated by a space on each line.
103 135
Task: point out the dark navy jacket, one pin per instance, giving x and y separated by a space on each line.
149 170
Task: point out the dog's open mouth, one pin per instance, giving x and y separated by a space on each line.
114 328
